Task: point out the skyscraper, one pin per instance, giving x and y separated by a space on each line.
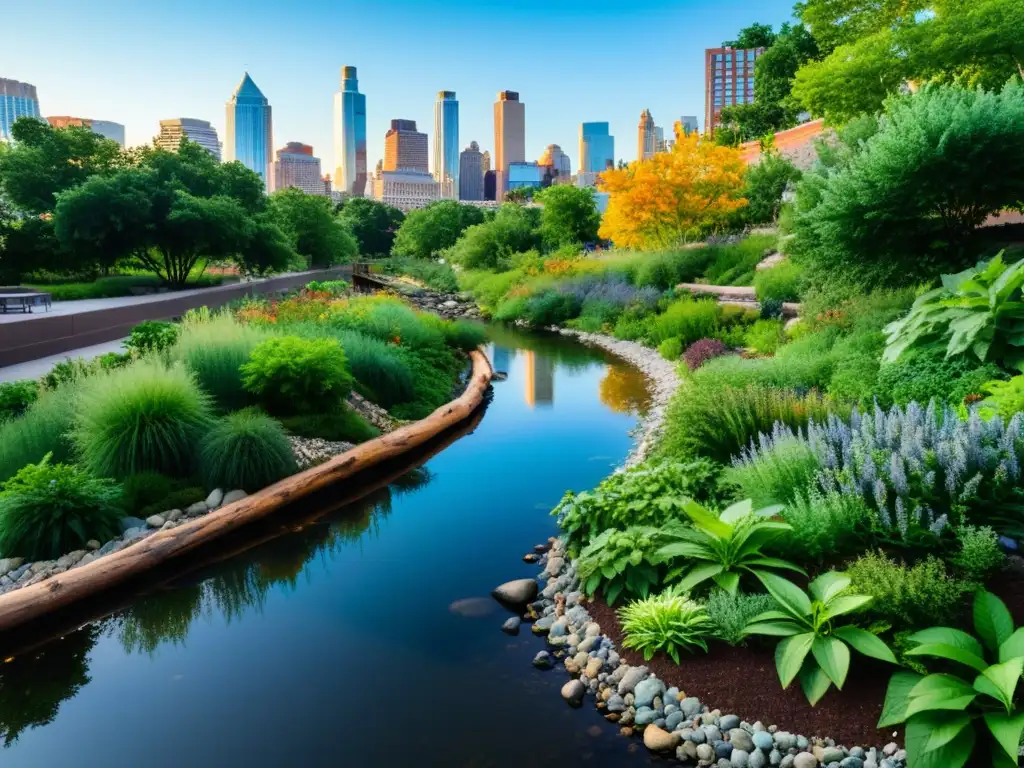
485 161
509 137
405 148
250 134
645 134
597 148
689 124
296 166
104 128
446 143
554 158
471 173
172 131
16 100
350 135
728 80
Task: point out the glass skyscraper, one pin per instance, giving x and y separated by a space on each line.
446 143
597 148
16 100
250 136
350 135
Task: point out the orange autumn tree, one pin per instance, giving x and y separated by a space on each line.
673 196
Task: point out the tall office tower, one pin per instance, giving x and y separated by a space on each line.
490 185
554 158
200 131
104 128
509 138
485 161
597 148
446 143
296 166
350 136
689 123
471 173
645 134
728 80
250 134
405 148
16 100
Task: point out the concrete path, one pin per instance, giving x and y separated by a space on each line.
36 368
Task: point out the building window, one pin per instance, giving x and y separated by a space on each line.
728 58
718 57
751 55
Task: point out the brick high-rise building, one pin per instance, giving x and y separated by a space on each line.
728 80
296 166
646 140
509 137
405 148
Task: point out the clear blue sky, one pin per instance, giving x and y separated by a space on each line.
571 61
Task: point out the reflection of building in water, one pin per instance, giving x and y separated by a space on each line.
502 358
540 379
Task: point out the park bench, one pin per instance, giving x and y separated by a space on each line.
23 301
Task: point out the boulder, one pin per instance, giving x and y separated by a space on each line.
127 523
659 740
573 692
232 496
518 592
215 498
511 626
629 680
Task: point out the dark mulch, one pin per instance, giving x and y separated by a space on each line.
1008 584
743 681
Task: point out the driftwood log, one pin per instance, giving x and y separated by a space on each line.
28 604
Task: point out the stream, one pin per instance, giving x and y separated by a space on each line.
368 637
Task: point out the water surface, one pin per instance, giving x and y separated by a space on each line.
339 644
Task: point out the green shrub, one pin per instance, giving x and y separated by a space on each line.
380 370
246 449
342 424
734 263
780 283
631 326
436 276
908 596
294 375
667 622
145 488
649 494
151 336
824 526
729 614
147 417
215 350
621 561
511 309
551 308
465 335
68 371
671 349
1005 398
434 372
923 375
765 336
180 499
334 287
47 510
16 397
764 184
392 321
776 475
687 320
979 556
41 430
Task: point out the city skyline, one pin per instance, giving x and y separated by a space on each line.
118 72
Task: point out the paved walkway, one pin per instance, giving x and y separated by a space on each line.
36 368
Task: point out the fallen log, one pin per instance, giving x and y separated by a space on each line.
30 603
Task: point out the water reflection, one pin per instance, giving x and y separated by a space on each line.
540 379
624 390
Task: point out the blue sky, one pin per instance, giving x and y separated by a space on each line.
138 61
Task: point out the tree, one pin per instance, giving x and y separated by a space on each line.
44 161
842 22
491 244
673 196
764 184
269 248
569 216
373 223
905 204
427 231
754 36
313 229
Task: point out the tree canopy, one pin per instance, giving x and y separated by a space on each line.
490 244
373 223
427 231
312 227
569 216
754 36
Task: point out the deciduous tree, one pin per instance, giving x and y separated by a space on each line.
569 216
427 231
312 227
373 223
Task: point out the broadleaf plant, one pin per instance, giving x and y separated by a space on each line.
979 311
621 561
724 547
816 649
667 622
968 710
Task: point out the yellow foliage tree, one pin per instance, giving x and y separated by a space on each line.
673 196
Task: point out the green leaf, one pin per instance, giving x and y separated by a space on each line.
866 643
707 521
845 604
941 684
790 655
815 683
733 514
1007 730
939 701
774 562
946 727
771 615
698 575
897 697
773 628
992 620
951 652
1013 646
949 636
1000 681
832 656
954 754
728 581
792 599
829 585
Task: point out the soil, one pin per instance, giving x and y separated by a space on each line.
743 681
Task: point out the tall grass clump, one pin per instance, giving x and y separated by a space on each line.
41 430
380 371
147 417
464 334
824 525
730 614
687 320
246 449
214 350
776 476
781 283
392 321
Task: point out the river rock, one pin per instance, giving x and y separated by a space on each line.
785 740
518 592
543 660
593 667
659 740
739 758
851 762
705 753
232 496
155 521
573 692
199 508
763 740
8 564
629 680
473 607
215 498
174 515
757 759
554 566
127 523
93 544
805 760
728 722
828 755
616 703
646 690
511 625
